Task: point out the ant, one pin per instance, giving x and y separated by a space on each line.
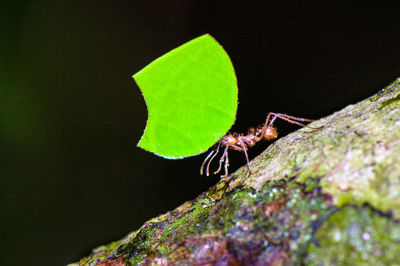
239 142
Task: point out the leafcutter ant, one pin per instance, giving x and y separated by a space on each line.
239 142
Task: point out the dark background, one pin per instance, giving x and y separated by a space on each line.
71 115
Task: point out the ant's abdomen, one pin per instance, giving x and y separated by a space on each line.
270 133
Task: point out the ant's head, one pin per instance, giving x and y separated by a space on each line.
270 133
228 140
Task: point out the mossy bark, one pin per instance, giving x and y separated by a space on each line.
317 197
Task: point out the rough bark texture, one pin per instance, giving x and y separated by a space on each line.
316 197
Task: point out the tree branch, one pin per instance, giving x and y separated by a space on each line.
328 196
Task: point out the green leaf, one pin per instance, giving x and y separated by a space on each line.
191 95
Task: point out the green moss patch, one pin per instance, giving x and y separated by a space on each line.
356 236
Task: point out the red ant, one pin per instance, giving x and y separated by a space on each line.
241 142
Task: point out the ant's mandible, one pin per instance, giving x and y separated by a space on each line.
239 142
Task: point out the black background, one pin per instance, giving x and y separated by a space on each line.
71 115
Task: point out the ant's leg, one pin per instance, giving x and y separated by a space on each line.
204 162
221 160
266 125
247 157
216 150
226 164
297 118
212 158
290 119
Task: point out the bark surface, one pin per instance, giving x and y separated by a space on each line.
316 197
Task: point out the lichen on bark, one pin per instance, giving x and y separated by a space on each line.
321 197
